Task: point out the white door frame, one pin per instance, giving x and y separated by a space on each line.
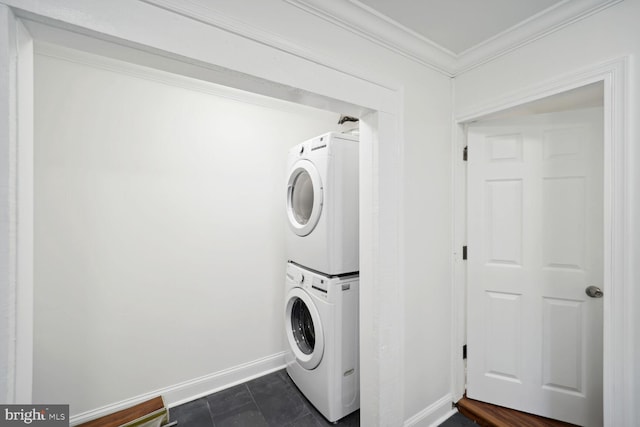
378 104
617 363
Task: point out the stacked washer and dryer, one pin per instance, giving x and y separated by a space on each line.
321 303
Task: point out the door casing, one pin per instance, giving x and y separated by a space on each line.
617 383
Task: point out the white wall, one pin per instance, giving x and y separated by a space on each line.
424 127
427 249
159 227
608 35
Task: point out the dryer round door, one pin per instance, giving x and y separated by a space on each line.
304 197
304 329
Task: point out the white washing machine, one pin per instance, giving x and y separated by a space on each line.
321 325
322 204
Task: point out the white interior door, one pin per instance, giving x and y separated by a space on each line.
535 242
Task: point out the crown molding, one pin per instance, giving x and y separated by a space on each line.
368 23
372 25
540 25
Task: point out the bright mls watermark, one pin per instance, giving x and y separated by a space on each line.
36 415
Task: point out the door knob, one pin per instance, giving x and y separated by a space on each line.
594 292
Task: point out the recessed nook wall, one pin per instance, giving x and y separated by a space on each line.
159 227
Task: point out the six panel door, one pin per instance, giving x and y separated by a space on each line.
535 243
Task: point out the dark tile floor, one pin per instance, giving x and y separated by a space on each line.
269 401
458 420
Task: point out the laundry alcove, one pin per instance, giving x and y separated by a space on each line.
158 224
378 126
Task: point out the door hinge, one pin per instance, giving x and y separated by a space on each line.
464 351
464 252
465 153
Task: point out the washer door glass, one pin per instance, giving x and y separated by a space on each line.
304 198
303 328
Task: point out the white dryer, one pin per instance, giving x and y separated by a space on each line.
321 325
322 204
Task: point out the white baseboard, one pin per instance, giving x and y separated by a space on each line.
178 394
445 417
434 414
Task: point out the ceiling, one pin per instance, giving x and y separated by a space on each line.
459 25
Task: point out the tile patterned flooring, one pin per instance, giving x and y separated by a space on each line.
269 401
458 420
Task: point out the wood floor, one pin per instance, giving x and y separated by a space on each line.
488 415
127 415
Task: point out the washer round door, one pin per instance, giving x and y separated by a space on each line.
304 329
304 197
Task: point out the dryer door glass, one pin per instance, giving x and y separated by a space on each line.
302 197
302 327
